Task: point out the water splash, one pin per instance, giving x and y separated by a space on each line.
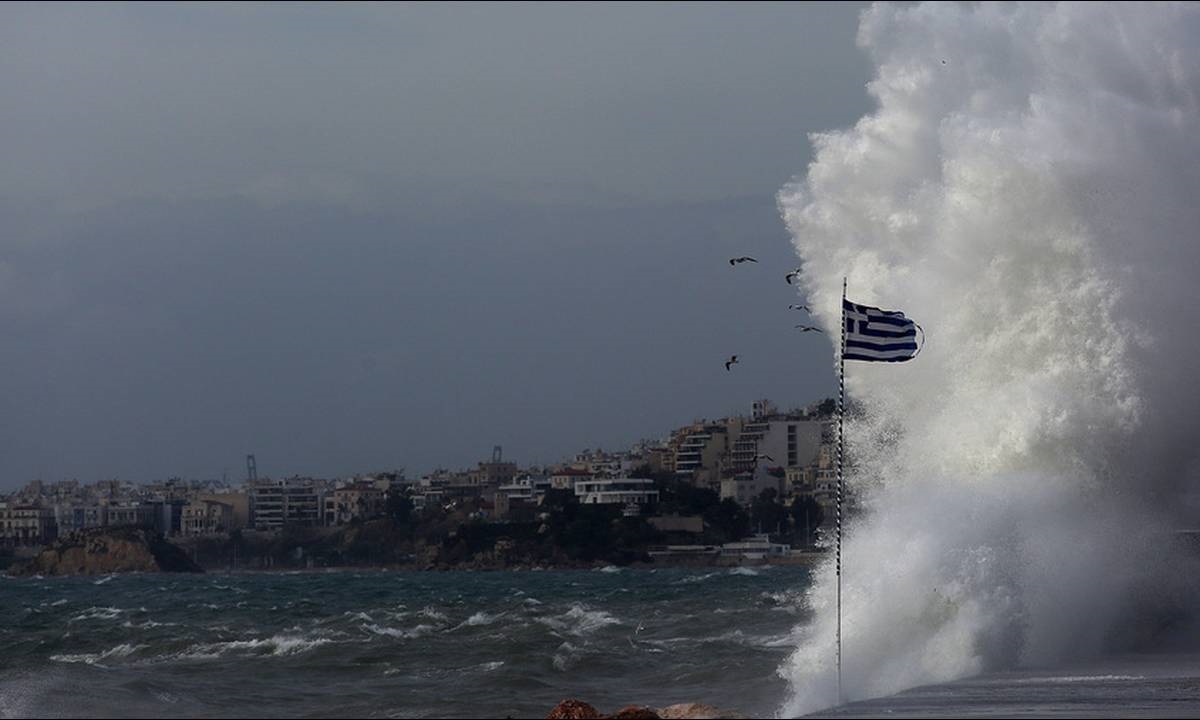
1024 191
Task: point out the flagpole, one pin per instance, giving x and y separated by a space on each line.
841 416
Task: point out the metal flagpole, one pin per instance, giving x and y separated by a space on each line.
841 416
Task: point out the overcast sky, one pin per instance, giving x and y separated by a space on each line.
352 238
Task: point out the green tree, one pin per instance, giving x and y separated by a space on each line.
680 497
807 515
766 513
399 508
728 519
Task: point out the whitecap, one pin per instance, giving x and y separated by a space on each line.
416 632
579 620
276 645
432 613
120 651
695 578
480 618
97 613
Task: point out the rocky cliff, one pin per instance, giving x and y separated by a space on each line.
99 551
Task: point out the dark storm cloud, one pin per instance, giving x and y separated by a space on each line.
354 238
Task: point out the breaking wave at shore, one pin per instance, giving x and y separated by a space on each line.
1024 190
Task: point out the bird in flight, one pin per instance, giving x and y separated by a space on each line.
760 457
799 307
732 359
742 259
792 276
809 328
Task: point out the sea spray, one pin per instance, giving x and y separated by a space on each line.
1024 190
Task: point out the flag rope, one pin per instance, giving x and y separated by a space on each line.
841 416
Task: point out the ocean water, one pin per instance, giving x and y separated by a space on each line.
396 644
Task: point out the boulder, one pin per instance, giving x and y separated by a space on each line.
635 712
572 709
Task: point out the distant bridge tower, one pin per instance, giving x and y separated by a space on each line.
496 453
251 468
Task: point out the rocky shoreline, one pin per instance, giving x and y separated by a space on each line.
102 551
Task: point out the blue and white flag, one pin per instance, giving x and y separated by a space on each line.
876 335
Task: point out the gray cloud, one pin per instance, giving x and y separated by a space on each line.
351 238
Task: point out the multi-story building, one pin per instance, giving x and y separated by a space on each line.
23 525
606 464
660 459
357 501
567 478
294 501
494 473
140 514
77 516
699 454
775 440
239 503
206 517
617 491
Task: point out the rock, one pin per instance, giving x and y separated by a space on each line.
572 709
697 711
635 712
100 551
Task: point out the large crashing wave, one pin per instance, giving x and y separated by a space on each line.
1028 191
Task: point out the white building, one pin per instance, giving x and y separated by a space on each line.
616 491
758 547
776 442
743 489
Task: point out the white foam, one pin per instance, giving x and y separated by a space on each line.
579 620
116 653
1073 679
481 618
1024 192
97 613
401 633
276 645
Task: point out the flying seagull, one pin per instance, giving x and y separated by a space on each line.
732 359
792 276
809 328
742 259
760 457
799 307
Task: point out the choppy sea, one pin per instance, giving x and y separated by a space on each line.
395 644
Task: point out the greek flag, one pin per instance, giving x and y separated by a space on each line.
876 335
